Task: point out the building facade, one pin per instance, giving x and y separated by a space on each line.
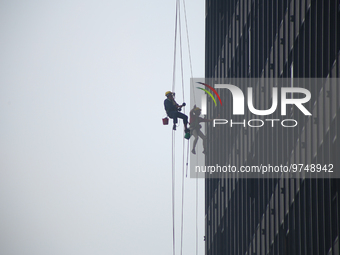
275 39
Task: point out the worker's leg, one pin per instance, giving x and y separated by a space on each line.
204 139
184 118
175 115
194 133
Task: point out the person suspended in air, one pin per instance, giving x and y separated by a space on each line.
173 111
195 127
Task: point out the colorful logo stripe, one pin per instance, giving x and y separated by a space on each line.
208 92
213 90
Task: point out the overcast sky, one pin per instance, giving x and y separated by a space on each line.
85 162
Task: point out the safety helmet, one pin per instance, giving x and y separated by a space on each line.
197 109
167 93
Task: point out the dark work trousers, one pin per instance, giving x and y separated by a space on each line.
174 115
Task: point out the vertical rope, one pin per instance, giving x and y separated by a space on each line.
186 27
182 215
192 87
196 208
187 164
178 23
182 76
181 54
175 44
187 31
196 215
173 193
173 140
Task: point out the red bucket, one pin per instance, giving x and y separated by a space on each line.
165 121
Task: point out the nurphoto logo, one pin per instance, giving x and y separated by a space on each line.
262 127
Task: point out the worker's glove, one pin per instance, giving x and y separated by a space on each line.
184 104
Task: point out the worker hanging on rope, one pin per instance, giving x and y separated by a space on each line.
173 111
195 127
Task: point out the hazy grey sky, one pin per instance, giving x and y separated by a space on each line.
85 162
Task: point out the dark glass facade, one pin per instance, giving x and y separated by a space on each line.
275 39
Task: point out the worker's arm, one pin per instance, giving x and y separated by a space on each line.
180 106
204 120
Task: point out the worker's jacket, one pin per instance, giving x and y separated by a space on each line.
195 120
170 106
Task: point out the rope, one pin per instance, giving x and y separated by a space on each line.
196 208
178 26
173 192
182 202
196 215
173 140
186 26
175 44
186 175
182 76
192 87
181 54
